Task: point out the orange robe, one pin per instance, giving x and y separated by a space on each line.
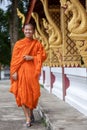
26 88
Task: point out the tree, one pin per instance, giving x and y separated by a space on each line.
5 48
13 21
14 24
9 29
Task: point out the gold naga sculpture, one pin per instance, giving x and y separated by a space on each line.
77 25
21 16
41 36
54 37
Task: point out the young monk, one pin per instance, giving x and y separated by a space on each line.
27 58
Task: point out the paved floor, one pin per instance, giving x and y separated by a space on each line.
57 114
11 116
60 115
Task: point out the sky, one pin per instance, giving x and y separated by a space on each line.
4 4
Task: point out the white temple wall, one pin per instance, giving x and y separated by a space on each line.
76 94
75 80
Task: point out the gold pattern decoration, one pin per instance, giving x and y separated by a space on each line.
78 22
71 56
82 47
21 16
54 36
37 36
41 36
63 3
77 26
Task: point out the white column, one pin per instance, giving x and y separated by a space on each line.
57 86
47 83
41 77
76 94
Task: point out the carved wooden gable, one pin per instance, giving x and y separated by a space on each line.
77 25
62 29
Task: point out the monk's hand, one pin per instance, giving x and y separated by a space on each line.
27 57
14 76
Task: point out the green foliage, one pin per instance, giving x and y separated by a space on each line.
5 17
5 48
23 7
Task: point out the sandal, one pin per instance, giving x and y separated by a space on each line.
28 124
32 119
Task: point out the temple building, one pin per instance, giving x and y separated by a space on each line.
61 26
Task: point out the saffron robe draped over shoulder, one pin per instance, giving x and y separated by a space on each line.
26 88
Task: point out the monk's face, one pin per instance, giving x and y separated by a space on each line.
29 31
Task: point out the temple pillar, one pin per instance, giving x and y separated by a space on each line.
61 82
47 79
41 78
76 94
57 85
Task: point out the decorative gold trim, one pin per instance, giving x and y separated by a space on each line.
55 38
21 16
42 37
77 25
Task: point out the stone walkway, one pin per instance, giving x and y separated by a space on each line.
11 116
60 115
51 113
